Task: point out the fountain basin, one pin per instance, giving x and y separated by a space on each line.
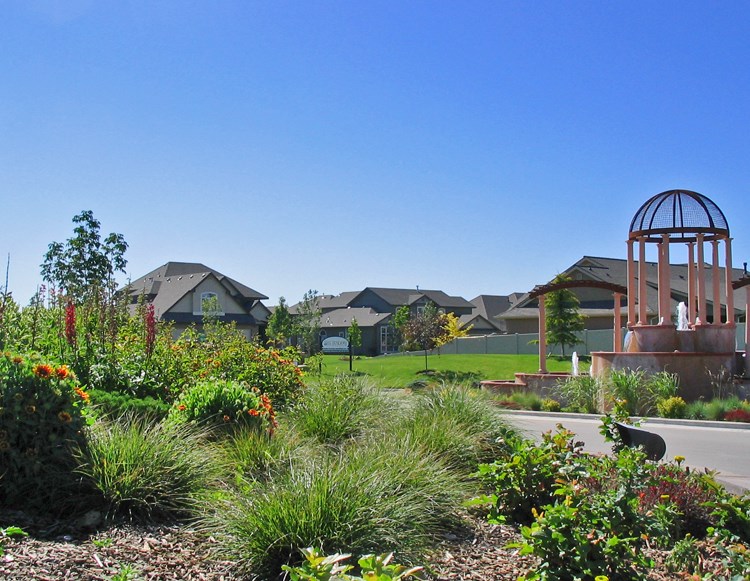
694 370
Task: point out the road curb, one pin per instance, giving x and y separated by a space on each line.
645 421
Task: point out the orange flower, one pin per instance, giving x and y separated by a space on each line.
227 418
65 417
82 394
181 407
44 371
253 412
62 372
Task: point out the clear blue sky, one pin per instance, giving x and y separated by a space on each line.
473 146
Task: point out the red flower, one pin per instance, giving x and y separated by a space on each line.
44 371
253 412
70 324
227 418
62 372
181 407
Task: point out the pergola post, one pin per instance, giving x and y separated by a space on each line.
691 282
747 330
716 282
617 341
701 282
728 275
631 286
642 296
542 336
665 310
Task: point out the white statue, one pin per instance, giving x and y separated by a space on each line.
575 364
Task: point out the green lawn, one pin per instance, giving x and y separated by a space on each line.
401 370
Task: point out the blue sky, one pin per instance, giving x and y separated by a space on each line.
473 147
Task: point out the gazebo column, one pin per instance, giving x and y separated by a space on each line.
665 310
728 280
642 296
701 282
631 287
716 282
542 336
691 282
617 347
747 331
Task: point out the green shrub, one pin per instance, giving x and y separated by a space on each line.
587 536
319 567
336 410
117 404
41 423
373 499
143 468
526 479
224 405
581 392
527 400
550 405
672 407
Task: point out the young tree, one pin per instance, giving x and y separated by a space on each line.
307 323
424 330
453 328
85 264
355 339
398 322
564 318
280 326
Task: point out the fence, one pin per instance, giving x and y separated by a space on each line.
524 344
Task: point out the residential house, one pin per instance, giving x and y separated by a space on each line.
483 318
178 291
597 305
373 308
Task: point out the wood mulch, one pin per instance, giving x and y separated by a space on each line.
63 551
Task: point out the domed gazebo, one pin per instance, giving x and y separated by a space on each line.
672 217
691 220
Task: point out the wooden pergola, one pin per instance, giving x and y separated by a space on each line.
540 292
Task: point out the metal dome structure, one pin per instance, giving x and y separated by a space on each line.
682 215
692 219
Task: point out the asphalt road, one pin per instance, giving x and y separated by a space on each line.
720 446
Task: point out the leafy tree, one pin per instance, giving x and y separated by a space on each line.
564 318
425 330
453 329
85 264
355 339
280 325
82 272
307 323
398 321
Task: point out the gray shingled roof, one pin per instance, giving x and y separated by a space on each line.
615 270
167 284
366 317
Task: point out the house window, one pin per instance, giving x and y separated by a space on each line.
210 304
420 309
342 334
386 339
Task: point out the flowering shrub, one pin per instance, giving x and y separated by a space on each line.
737 415
225 404
41 421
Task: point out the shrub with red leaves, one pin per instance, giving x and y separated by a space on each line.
738 415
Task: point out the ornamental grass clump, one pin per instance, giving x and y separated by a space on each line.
337 410
370 499
143 468
457 423
41 423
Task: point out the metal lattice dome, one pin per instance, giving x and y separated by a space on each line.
682 215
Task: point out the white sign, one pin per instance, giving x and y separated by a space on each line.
335 345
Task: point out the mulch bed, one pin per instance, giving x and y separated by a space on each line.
63 551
